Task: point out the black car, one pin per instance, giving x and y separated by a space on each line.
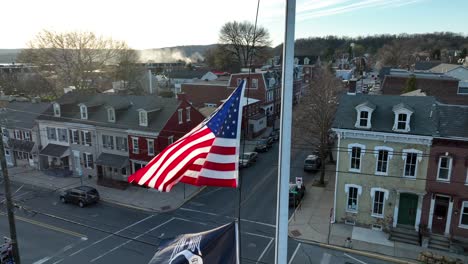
295 194
275 135
82 196
263 145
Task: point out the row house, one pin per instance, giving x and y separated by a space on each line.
445 209
110 136
20 132
383 143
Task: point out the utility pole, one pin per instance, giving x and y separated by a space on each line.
9 203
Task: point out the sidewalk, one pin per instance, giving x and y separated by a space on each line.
310 222
134 197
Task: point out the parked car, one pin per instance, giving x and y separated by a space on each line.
262 145
247 158
296 194
312 163
275 134
269 140
82 196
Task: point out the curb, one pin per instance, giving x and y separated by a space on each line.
355 251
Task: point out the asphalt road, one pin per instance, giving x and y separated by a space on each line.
106 233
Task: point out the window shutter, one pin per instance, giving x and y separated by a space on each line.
83 140
91 161
84 160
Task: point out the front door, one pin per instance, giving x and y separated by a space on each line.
439 218
407 209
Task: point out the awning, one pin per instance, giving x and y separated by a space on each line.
112 160
20 145
54 150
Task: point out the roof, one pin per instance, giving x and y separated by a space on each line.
126 110
22 114
452 120
246 101
421 122
112 160
185 74
54 150
21 145
425 65
444 67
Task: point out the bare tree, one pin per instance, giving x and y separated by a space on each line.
313 117
399 53
130 72
242 40
72 58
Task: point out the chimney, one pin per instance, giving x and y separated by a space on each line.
352 87
150 79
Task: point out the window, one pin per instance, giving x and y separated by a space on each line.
88 160
363 118
402 119
254 83
111 114
86 138
150 144
84 111
464 215
17 134
121 143
378 204
445 168
5 132
187 110
143 118
356 158
210 105
74 136
352 204
124 171
107 142
51 133
27 135
410 164
269 96
135 148
62 134
462 90
179 112
170 140
382 162
56 110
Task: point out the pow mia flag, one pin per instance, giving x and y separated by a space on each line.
217 245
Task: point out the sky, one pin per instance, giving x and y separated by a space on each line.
146 24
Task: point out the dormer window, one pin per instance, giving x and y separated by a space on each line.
56 110
364 114
143 118
402 118
83 111
111 114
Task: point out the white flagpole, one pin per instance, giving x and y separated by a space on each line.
237 242
281 249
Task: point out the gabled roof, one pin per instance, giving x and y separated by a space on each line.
421 122
403 106
22 114
126 110
366 104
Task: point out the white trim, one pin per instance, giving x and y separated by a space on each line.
109 115
372 194
464 204
449 217
170 140
143 121
180 115
336 177
385 137
363 108
187 112
148 143
142 133
133 146
359 192
408 114
431 212
350 153
57 111
449 174
419 154
83 112
389 157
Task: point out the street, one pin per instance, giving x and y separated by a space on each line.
52 232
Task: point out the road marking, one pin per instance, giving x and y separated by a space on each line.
42 260
265 250
325 258
51 227
355 259
102 239
190 221
253 234
228 217
294 253
128 241
58 261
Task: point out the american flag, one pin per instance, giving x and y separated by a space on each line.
207 155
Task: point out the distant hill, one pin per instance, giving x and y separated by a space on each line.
8 55
192 53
